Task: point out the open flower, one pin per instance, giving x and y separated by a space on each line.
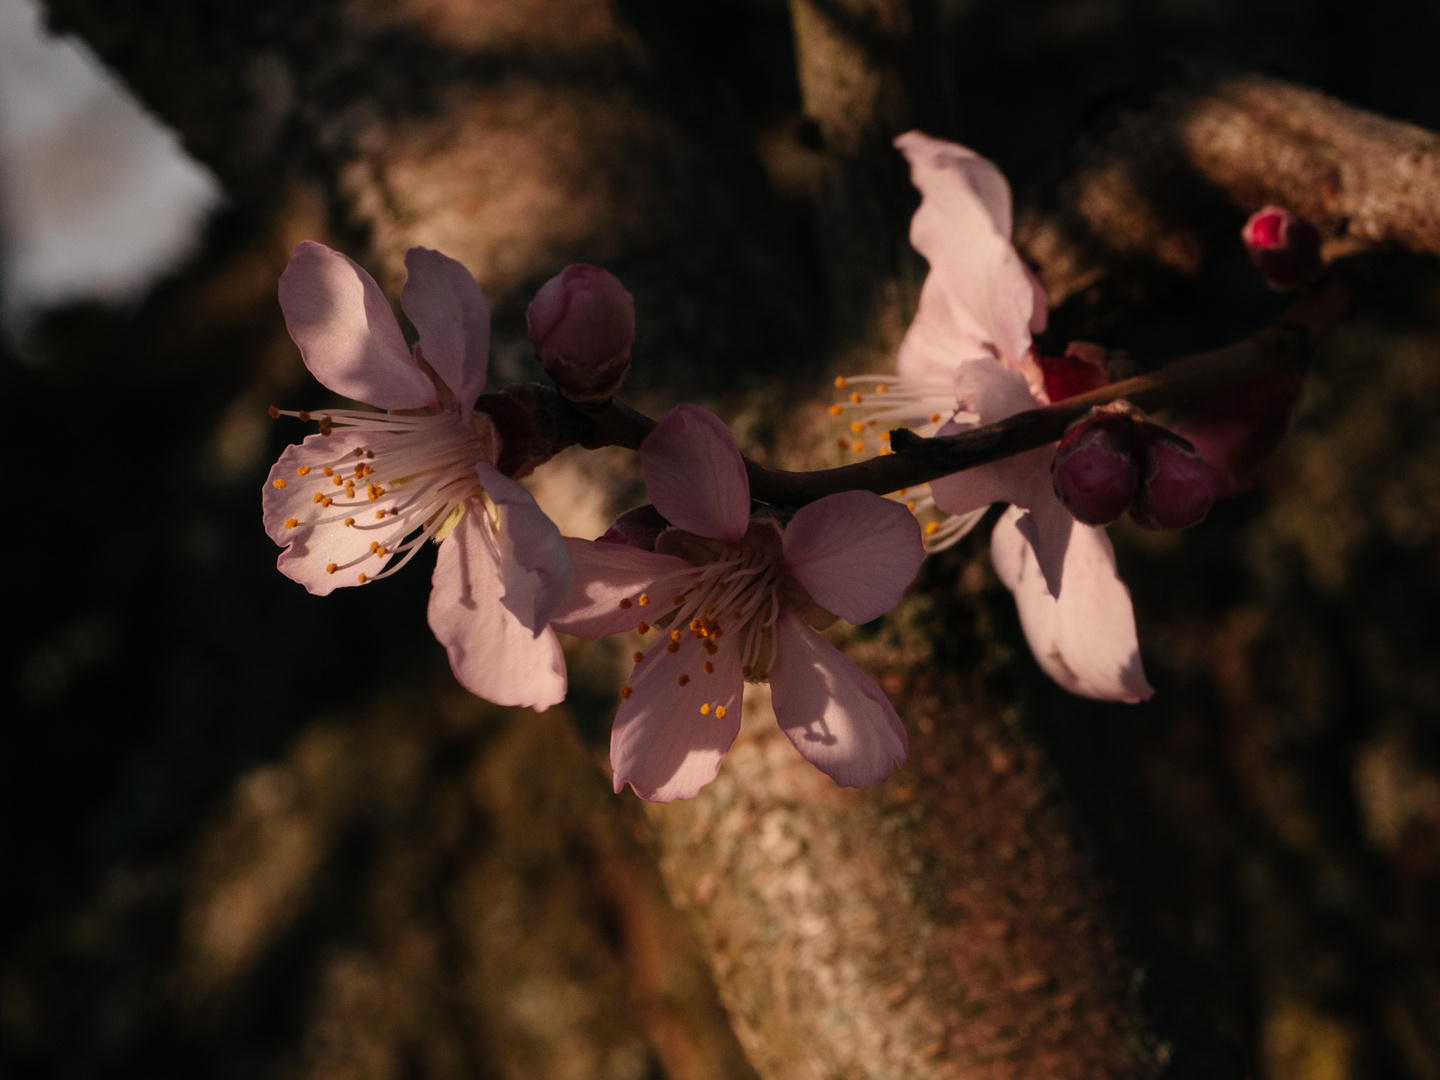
354 503
730 597
971 335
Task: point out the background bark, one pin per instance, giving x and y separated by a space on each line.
225 872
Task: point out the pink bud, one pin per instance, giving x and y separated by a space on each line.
1177 486
1079 371
1284 247
582 324
1094 471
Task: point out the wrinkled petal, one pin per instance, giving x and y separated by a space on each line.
662 745
854 552
534 561
978 298
309 551
347 333
1086 639
492 653
695 474
453 319
835 715
607 573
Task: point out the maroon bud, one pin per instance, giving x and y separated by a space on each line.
582 324
1238 430
1177 485
1094 471
1079 371
1284 247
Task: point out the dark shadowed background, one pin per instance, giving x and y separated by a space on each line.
248 832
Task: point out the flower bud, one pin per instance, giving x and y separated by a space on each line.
1177 485
1094 471
1238 430
1079 371
582 324
1284 247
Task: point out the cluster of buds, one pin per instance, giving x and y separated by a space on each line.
1114 460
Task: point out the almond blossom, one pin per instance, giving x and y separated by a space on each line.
971 335
354 503
727 596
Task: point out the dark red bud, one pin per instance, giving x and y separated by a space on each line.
1284 247
1238 430
1094 471
582 324
1177 485
1079 371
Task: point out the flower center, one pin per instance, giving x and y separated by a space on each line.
404 479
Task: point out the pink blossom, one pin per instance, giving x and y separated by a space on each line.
978 308
728 597
354 503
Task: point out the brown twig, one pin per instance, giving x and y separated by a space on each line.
1286 343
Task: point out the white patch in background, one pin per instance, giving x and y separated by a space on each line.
97 198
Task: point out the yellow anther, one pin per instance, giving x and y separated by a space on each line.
931 528
705 709
303 470
274 413
709 668
326 501
643 628
382 551
363 579
678 601
857 428
711 647
902 491
684 680
841 382
836 410
675 635
374 546
844 444
910 506
349 521
290 523
644 599
329 471
330 569
934 418
375 491
857 446
638 656
696 624
359 451
881 388
884 435
317 497
625 604
304 416
349 488
625 693
720 712
885 449
379 514
278 483
673 647
856 397
338 481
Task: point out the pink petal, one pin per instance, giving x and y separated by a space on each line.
607 573
836 716
534 560
309 551
492 652
1086 639
695 474
662 745
854 552
449 310
347 333
978 298
994 391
